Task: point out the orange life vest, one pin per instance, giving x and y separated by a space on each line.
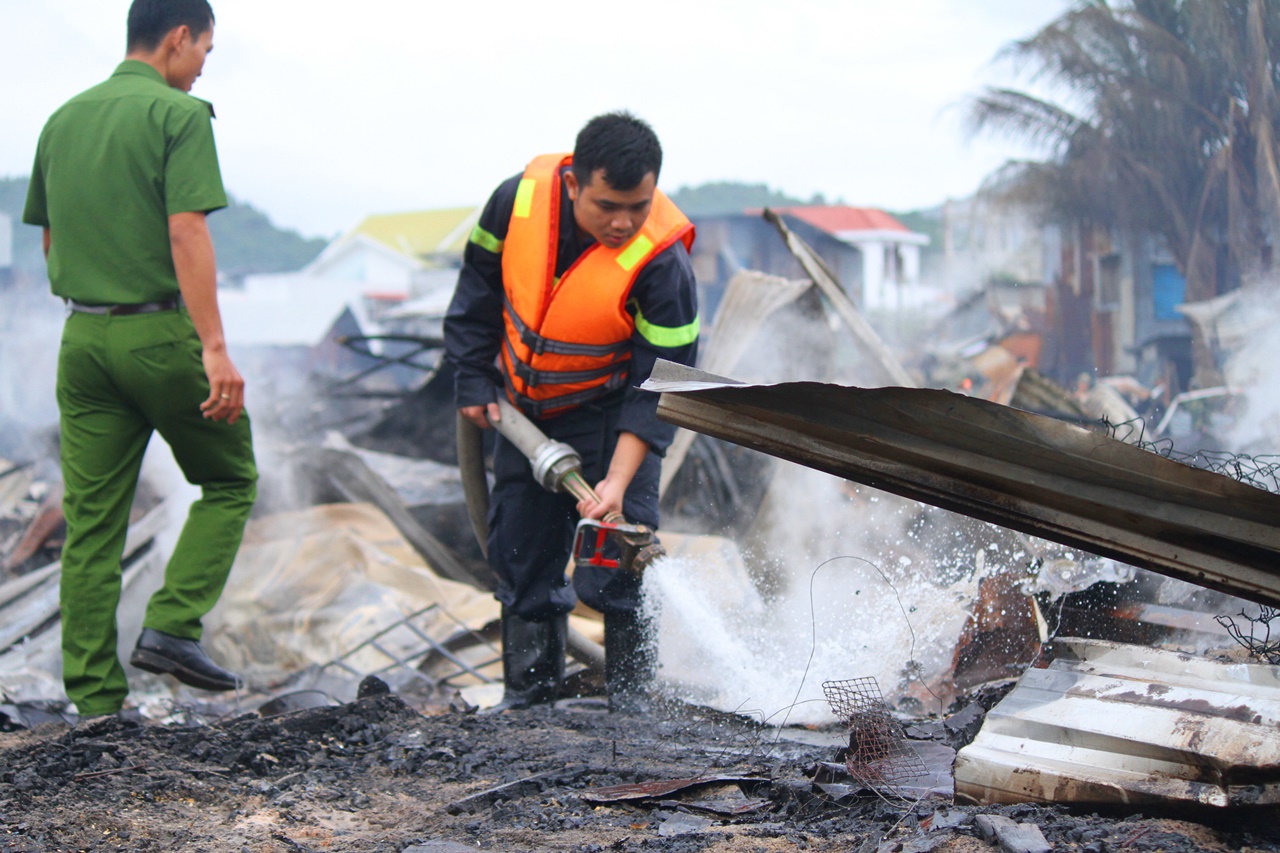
568 341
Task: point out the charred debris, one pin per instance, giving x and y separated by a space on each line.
1114 645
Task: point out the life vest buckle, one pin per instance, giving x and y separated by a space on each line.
535 342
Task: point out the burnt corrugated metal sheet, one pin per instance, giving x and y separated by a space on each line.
1113 723
1024 471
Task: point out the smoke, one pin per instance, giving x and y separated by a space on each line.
1247 331
837 581
30 330
847 582
844 585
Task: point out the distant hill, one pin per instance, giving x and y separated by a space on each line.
27 254
247 242
725 197
244 238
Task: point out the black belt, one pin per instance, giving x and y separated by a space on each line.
124 310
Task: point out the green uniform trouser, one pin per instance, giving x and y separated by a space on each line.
120 378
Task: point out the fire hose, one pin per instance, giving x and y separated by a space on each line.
557 467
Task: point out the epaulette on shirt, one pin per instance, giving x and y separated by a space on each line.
212 114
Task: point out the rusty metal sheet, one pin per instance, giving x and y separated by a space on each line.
1114 723
1024 471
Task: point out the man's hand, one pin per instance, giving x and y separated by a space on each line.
226 388
611 492
482 416
627 456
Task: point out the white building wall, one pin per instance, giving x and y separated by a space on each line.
286 309
911 264
362 259
6 241
383 272
873 276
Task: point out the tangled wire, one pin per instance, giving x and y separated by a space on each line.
1258 641
1261 472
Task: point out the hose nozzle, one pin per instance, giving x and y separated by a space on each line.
556 466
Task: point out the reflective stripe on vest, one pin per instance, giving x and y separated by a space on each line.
568 341
668 337
485 240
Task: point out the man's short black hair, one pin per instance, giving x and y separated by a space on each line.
151 20
621 144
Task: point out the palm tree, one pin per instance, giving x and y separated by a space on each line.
1166 122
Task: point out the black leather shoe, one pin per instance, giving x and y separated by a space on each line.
183 659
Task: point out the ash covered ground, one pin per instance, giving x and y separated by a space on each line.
378 775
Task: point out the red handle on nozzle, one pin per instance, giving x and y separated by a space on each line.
588 543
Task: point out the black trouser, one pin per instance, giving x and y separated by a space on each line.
531 529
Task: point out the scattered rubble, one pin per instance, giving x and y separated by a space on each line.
375 775
359 610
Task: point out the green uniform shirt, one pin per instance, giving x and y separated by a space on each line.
112 165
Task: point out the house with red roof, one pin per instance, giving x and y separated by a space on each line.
873 255
890 251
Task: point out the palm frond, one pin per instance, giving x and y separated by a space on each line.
1173 125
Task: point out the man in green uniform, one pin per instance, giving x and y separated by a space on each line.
124 175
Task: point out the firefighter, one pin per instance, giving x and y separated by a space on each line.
576 279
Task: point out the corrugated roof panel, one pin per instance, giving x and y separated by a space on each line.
1028 472
1114 723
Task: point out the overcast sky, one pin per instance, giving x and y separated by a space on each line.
330 111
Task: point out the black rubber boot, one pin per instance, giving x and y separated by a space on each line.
629 662
532 661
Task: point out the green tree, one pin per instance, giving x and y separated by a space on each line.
244 238
1163 119
728 197
247 242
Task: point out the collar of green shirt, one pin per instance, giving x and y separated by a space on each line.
138 68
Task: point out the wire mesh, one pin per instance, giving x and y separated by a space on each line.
1261 472
1254 633
412 632
879 756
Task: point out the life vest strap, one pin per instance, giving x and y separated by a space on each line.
539 345
538 408
533 378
